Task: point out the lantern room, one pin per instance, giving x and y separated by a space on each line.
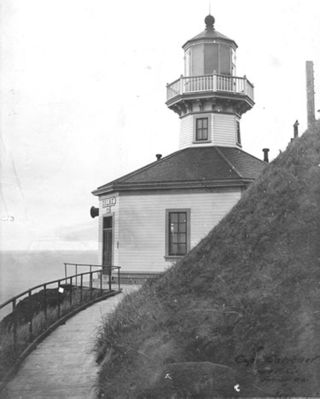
210 52
209 98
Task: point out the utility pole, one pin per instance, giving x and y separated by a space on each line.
310 93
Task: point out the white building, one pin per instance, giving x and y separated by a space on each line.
153 216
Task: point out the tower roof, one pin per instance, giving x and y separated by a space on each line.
202 167
209 33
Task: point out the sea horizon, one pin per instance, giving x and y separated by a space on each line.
23 269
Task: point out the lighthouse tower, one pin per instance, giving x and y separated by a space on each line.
209 98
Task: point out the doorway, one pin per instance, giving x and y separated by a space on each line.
107 238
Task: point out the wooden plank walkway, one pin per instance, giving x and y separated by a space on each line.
63 365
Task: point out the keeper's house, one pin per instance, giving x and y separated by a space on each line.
153 216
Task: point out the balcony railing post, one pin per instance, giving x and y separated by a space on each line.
65 270
118 278
14 314
214 82
181 84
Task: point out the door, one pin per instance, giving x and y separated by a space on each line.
107 241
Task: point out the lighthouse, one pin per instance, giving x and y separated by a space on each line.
152 217
209 98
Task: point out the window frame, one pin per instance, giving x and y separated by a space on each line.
195 131
187 211
238 133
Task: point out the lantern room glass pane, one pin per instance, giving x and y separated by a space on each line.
197 60
211 59
225 60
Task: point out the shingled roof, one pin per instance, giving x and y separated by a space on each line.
192 167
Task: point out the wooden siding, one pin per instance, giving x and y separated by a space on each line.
224 130
186 131
142 224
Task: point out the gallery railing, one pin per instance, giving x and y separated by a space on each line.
31 315
210 83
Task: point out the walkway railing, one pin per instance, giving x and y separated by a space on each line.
38 310
75 266
210 83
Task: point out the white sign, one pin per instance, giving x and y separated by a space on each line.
107 202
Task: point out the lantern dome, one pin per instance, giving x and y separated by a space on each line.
210 52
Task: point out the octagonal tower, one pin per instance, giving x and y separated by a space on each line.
210 99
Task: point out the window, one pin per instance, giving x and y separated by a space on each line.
201 129
238 133
178 232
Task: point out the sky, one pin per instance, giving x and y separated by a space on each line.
83 91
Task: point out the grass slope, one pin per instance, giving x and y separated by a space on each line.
243 307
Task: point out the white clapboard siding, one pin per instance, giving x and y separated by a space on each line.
186 131
142 224
224 130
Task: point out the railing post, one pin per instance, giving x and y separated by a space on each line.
181 83
58 293
76 275
101 282
31 315
81 284
45 304
14 314
70 299
110 276
118 278
214 82
65 270
90 284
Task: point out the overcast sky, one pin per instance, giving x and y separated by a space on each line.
83 97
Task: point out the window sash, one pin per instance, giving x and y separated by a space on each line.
202 129
238 133
177 233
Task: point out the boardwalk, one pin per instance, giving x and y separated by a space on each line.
63 365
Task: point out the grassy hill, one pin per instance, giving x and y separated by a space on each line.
241 311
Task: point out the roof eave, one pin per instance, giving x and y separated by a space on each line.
177 185
217 39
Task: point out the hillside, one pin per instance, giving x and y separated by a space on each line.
243 307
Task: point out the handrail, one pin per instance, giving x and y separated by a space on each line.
75 265
43 307
49 282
